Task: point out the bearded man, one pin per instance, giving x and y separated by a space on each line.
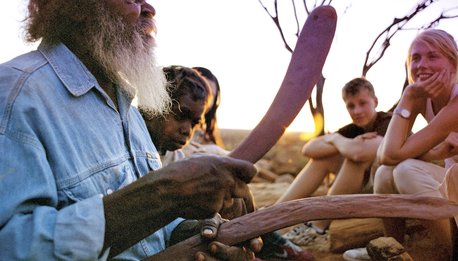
76 161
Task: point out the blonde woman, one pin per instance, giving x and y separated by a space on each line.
408 159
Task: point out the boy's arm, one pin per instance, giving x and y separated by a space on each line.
319 147
360 149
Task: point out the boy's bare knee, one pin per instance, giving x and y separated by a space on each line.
328 164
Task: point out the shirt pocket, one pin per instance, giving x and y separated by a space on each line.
102 182
147 161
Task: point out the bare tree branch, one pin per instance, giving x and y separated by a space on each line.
306 7
389 32
442 16
277 23
296 18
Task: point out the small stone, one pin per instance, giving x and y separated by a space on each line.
387 249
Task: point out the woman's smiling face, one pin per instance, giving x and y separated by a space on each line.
425 60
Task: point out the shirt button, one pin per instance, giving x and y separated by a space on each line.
149 156
109 191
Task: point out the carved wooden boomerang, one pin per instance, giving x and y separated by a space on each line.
303 72
315 208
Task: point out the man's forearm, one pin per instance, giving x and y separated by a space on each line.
133 213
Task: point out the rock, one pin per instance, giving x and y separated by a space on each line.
387 249
353 233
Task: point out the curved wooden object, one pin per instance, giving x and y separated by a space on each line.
303 72
315 208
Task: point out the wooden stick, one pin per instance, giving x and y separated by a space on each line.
303 72
315 208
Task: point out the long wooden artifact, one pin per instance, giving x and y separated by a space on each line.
315 208
303 72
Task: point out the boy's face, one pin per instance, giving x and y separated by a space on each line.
361 108
174 130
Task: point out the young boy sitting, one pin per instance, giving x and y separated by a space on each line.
349 153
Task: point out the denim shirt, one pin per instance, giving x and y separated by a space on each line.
63 146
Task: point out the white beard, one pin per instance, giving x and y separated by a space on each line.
143 79
131 64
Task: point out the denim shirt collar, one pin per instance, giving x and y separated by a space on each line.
71 71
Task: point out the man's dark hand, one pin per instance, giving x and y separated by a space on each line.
199 187
219 251
194 188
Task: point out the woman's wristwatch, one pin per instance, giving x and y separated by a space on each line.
404 113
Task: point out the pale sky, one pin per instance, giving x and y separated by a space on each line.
237 40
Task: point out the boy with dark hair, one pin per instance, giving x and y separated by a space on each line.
190 97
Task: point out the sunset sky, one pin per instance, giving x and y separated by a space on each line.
237 40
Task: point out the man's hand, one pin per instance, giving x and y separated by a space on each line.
219 251
210 226
216 250
199 187
195 188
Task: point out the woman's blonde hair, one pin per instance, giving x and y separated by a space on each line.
440 40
